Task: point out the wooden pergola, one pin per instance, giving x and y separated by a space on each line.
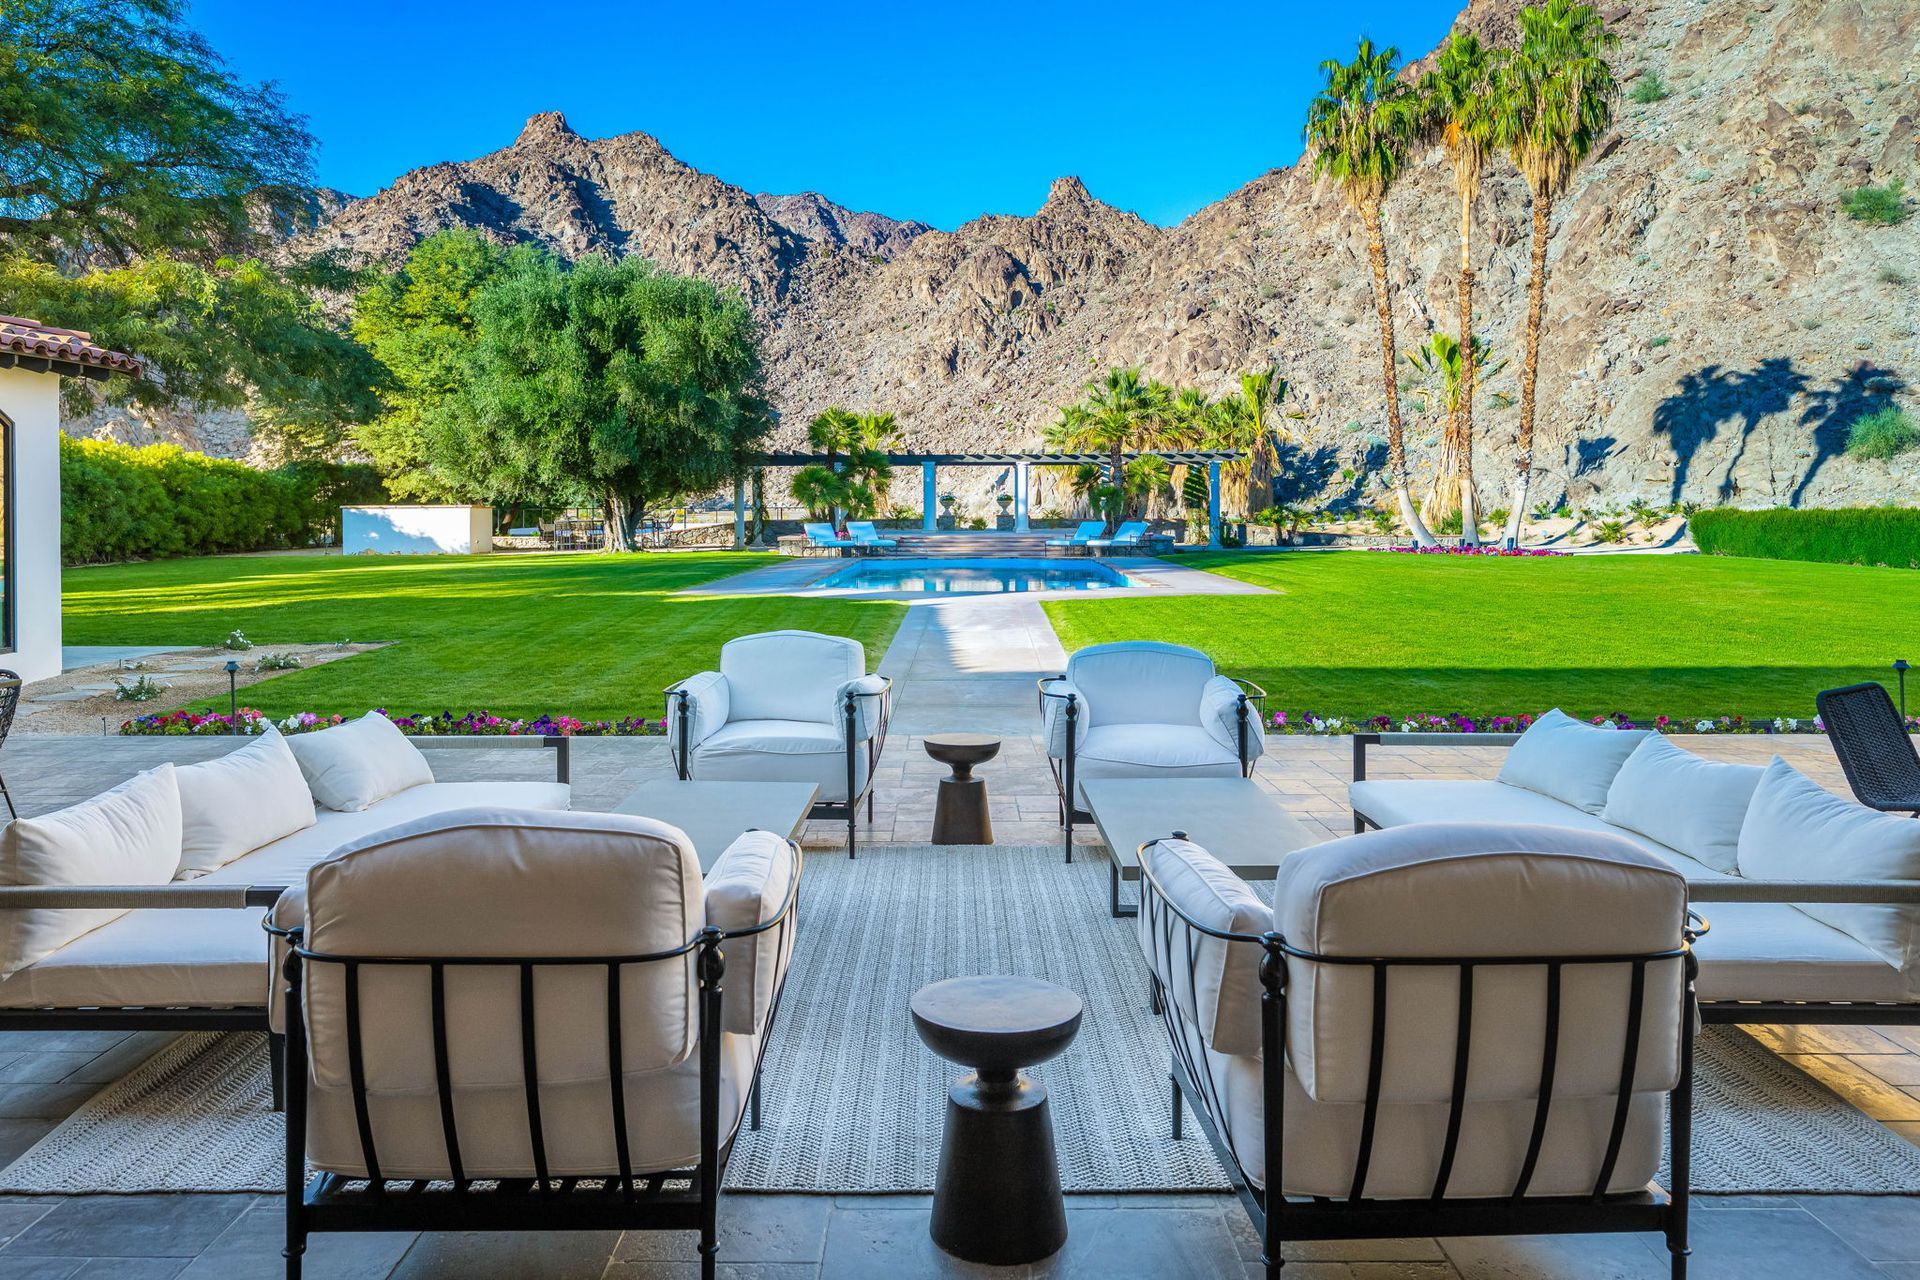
1022 463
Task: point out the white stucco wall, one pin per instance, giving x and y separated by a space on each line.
416 530
32 402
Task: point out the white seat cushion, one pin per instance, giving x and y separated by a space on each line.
746 885
781 751
1775 951
219 958
234 805
1395 802
1683 801
1560 757
1151 751
129 836
359 763
1797 830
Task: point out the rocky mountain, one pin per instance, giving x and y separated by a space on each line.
1715 322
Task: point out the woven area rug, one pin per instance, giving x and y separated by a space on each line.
853 1102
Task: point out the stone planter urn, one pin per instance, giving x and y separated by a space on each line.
946 519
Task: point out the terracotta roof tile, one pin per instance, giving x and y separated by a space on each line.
32 340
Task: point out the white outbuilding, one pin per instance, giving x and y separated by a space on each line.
33 359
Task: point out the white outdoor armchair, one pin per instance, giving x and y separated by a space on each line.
1448 1029
504 1020
1143 709
786 706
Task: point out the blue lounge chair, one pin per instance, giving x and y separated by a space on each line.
822 537
865 535
1087 532
1131 535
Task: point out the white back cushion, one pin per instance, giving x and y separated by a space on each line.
1140 682
356 765
748 884
243 800
789 675
1215 983
1572 762
1686 803
1798 830
129 835
1446 889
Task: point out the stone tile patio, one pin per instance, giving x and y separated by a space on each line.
43 1076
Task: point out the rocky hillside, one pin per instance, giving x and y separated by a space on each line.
1716 323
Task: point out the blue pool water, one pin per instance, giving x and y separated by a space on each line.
956 577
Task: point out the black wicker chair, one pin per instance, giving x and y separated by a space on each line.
9 703
1881 764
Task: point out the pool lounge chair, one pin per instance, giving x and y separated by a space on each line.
1086 533
1131 534
864 534
822 537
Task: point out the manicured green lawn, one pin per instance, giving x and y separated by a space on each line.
1360 634
591 636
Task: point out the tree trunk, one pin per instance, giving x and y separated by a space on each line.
1461 424
1396 437
619 522
1117 478
1530 364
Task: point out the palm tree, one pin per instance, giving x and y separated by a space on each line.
1117 411
1459 105
1190 416
1438 360
1361 127
1245 422
1554 103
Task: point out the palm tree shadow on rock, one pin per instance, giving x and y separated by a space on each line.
1713 396
1300 472
1831 412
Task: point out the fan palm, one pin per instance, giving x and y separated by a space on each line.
1246 421
1190 426
1553 104
1118 410
1361 128
1438 360
1458 99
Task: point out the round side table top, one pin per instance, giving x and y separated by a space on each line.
996 1023
962 748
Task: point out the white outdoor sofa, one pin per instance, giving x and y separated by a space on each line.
1445 1029
506 1019
786 706
1814 900
141 908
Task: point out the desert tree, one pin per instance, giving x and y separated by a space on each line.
1360 129
1554 103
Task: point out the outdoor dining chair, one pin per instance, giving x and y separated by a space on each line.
1873 745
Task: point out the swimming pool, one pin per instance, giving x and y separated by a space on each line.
967 577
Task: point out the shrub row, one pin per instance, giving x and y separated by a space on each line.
119 502
1852 535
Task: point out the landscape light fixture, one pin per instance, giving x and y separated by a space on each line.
233 696
1900 670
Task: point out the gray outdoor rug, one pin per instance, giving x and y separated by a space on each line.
853 1102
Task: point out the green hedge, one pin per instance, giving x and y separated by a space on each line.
1852 535
118 502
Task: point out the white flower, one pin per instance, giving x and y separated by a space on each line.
1409 727
1703 726
1784 725
1319 726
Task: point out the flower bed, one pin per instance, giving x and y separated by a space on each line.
1457 550
473 724
1306 722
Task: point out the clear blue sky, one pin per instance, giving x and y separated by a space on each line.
940 112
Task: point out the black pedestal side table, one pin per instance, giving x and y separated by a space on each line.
997 1197
960 809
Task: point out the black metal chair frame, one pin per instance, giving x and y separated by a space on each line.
10 685
191 895
685 1199
1251 695
1357 1217
1816 1013
678 699
1873 746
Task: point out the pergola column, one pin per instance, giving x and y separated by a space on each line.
1213 505
929 498
1022 486
740 512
